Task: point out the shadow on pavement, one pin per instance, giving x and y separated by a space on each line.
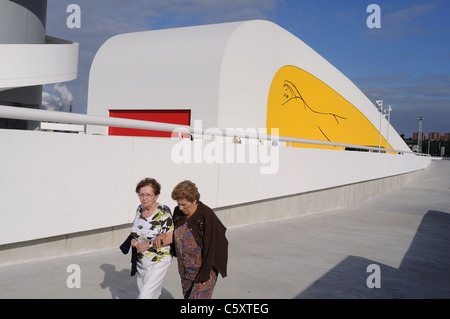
123 286
423 273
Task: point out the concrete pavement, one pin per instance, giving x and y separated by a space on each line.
399 241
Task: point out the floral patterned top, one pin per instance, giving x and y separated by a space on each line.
146 229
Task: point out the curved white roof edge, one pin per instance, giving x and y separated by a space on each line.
222 72
36 64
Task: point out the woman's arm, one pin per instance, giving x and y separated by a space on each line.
141 247
209 245
164 239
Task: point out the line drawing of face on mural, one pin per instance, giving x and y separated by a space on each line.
291 93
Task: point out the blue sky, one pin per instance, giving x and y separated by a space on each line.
406 62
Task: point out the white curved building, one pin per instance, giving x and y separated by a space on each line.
223 74
29 58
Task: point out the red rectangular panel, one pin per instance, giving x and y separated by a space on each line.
182 117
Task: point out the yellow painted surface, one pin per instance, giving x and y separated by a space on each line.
302 106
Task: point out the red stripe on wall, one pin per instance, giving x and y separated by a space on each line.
182 117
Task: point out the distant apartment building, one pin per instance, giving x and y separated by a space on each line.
434 136
447 137
416 134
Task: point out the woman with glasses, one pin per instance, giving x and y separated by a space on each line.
152 219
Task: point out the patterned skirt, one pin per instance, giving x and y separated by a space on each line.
189 258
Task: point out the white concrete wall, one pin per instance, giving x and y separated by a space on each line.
304 170
57 183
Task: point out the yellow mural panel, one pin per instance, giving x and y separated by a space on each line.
302 106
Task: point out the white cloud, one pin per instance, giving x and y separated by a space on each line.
410 14
403 22
57 101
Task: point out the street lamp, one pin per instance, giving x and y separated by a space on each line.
419 137
389 109
380 109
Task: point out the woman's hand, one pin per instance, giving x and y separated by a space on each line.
141 247
162 240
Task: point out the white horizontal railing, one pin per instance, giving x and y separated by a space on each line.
84 119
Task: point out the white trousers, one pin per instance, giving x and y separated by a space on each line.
150 276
